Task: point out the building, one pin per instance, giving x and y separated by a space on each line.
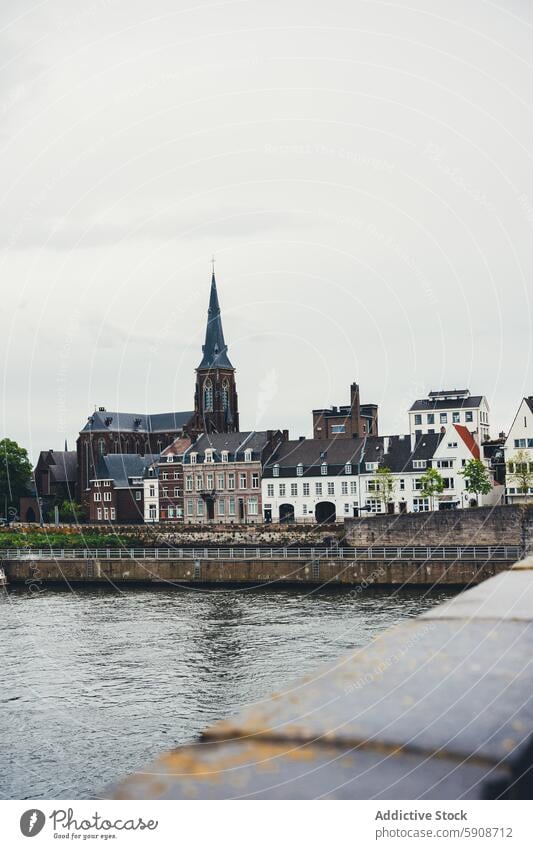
450 406
519 439
163 484
354 419
116 489
222 476
306 481
54 481
216 407
215 410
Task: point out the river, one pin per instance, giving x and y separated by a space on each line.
96 682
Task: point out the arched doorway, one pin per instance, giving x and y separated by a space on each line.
30 514
286 513
325 512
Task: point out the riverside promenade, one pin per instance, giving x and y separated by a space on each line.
439 707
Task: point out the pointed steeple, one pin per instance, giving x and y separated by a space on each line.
214 349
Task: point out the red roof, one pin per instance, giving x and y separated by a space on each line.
468 440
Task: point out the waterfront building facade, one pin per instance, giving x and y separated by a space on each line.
116 490
345 422
163 484
450 406
519 439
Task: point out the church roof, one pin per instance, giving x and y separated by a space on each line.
105 420
214 348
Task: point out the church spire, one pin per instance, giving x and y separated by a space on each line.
214 349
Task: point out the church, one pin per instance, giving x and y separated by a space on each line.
215 410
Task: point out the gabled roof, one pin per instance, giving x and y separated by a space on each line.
108 421
214 348
234 443
468 440
62 465
180 444
529 402
120 468
434 404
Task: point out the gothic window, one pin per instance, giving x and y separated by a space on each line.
208 396
101 447
225 395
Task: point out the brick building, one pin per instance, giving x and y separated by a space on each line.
353 419
54 481
163 484
116 490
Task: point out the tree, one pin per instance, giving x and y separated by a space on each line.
520 471
431 484
15 474
69 511
477 478
384 485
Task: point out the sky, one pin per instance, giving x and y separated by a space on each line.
361 170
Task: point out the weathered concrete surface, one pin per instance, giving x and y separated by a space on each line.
440 707
505 525
254 572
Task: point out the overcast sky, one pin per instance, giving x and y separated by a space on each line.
361 170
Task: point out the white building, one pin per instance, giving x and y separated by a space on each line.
310 481
520 438
450 406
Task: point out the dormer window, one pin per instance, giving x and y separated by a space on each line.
371 467
170 458
224 456
419 464
247 456
323 468
300 469
348 469
208 456
275 470
194 458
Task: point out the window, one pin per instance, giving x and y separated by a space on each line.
304 509
294 489
270 490
353 487
323 468
253 505
520 443
176 475
344 487
421 505
97 496
208 457
306 489
199 507
152 511
188 483
374 505
101 447
247 456
456 418
443 418
221 506
208 395
152 490
444 464
371 467
338 428
530 443
275 470
402 483
199 483
347 508
98 483
170 458
99 513
231 505
165 492
176 492
449 483
331 488
418 419
224 456
210 481
189 506
431 418
419 464
113 513
225 395
299 470
231 480
107 496
372 485
282 490
107 483
138 495
220 481
417 483
243 480
194 458
106 513
255 480
452 444
348 469
469 416
318 489
164 476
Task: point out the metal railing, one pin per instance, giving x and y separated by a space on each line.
462 552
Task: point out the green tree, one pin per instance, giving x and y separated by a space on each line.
431 484
520 471
477 478
69 511
15 474
383 485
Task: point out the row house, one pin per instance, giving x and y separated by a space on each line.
222 476
163 484
116 490
519 447
304 482
450 406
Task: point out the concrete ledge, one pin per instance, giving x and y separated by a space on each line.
438 707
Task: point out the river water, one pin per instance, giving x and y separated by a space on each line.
96 682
